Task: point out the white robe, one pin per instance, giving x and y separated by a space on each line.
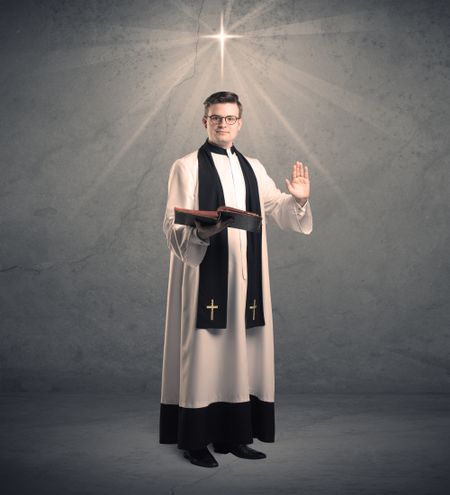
205 366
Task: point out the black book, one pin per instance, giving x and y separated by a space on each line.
245 220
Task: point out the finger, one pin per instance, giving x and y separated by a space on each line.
224 223
293 172
306 172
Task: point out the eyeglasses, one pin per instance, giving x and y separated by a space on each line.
217 119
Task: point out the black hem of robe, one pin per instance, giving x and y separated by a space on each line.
235 422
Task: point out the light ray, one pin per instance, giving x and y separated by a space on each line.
254 128
227 13
118 33
387 121
255 13
188 12
66 60
118 36
190 115
170 84
364 21
312 157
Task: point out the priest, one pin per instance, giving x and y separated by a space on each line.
218 378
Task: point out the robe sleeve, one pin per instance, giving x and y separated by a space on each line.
183 240
282 207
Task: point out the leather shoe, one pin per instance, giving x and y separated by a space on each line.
201 457
239 450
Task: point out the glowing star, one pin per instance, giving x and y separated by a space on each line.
221 37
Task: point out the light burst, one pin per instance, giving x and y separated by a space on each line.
222 37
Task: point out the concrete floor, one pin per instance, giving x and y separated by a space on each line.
343 444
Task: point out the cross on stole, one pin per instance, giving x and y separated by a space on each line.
212 307
254 308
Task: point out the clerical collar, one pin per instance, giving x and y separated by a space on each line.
217 149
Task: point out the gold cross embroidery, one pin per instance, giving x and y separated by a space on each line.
254 308
212 307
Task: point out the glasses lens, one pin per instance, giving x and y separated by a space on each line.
230 119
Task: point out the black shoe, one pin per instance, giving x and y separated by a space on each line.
201 457
239 450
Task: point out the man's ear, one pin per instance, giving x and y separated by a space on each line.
204 122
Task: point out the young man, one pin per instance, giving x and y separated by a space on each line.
218 364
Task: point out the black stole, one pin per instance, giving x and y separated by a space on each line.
213 277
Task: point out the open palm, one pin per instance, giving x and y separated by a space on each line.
298 186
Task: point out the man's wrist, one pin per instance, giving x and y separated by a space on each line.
200 237
301 201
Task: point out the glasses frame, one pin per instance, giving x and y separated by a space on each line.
219 119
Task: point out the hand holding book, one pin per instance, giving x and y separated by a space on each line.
207 231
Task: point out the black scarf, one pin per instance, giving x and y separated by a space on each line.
213 279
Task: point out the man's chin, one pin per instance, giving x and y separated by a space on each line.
222 138
220 141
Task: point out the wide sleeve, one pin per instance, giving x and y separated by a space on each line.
282 207
182 240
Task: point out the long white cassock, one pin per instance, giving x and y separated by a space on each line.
206 370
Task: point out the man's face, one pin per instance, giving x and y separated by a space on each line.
221 133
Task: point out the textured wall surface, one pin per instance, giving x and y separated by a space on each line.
98 98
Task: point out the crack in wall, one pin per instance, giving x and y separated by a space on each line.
193 72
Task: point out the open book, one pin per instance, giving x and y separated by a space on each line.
242 219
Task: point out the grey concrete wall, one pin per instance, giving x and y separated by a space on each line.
99 98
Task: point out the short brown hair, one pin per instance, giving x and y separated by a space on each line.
223 97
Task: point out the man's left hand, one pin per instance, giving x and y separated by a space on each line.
298 186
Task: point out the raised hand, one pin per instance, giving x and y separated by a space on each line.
298 186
